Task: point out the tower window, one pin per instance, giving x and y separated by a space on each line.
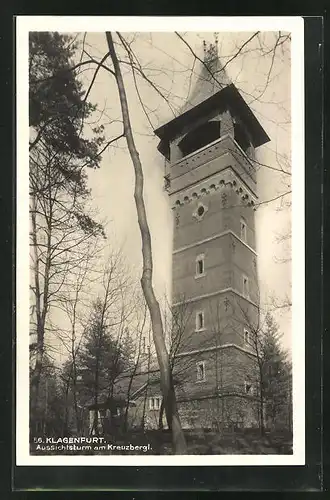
154 403
241 137
200 211
200 375
167 182
200 137
246 336
247 387
243 229
245 286
200 320
200 270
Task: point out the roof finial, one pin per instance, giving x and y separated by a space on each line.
211 51
204 48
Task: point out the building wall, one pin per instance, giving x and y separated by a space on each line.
226 368
225 317
226 261
221 397
228 411
141 414
224 210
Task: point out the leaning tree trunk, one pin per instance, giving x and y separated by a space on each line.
172 416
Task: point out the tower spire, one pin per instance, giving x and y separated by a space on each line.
211 77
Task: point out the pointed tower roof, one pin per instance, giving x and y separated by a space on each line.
211 78
212 92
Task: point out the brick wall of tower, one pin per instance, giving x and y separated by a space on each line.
227 259
226 316
209 160
224 209
223 394
226 367
217 274
229 412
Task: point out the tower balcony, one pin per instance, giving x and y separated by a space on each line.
214 157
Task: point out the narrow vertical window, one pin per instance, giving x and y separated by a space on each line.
243 229
200 268
200 371
248 387
154 403
246 336
200 320
245 286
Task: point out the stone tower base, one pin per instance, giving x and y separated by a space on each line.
230 411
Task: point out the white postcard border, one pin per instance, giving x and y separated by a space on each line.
295 25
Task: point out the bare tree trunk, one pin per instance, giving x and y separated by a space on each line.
75 400
42 306
125 424
40 331
173 419
143 419
96 395
129 390
160 418
146 394
216 371
262 397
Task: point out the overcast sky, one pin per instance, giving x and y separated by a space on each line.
169 62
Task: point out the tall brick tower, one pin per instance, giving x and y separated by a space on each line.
211 180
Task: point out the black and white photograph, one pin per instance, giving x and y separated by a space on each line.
160 241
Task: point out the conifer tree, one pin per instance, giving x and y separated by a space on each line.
276 375
61 222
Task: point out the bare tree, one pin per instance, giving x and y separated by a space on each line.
61 229
73 301
140 348
60 222
101 358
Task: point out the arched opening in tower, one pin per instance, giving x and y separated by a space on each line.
199 137
241 137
